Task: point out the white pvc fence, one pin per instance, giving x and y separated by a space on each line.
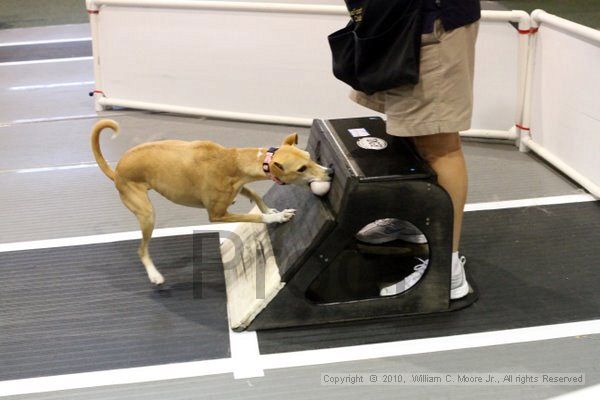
564 111
500 65
269 62
261 61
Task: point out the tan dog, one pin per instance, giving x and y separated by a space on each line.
202 174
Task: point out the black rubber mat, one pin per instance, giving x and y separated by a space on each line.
533 266
91 307
45 51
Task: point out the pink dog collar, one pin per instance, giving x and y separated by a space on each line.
267 169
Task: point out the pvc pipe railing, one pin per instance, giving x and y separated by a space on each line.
541 16
526 141
230 115
490 134
224 5
544 153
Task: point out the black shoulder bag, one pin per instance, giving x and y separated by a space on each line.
380 47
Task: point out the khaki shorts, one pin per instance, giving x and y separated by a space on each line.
442 101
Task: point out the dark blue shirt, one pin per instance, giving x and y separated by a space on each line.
453 13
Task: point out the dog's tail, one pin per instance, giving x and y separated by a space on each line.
98 127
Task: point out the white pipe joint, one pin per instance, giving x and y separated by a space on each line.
523 19
91 5
503 16
535 20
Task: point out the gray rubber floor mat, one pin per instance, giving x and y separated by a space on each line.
92 307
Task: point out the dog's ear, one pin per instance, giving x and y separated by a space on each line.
291 140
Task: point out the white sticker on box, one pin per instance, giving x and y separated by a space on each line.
358 132
372 143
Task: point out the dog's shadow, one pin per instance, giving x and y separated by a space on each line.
192 290
190 286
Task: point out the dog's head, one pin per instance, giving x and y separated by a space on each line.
289 164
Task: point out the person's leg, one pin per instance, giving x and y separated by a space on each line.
443 152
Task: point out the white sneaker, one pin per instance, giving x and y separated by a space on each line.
389 229
459 287
407 282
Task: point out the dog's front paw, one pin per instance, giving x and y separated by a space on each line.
272 211
279 216
287 214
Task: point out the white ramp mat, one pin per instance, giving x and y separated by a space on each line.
251 273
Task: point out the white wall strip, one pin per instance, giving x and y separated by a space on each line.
37 42
188 230
46 61
296 359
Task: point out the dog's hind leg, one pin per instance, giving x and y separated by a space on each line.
135 197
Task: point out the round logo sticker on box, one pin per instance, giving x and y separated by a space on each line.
372 143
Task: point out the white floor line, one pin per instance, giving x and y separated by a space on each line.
588 393
46 61
110 237
245 355
188 230
52 119
297 359
538 201
50 86
430 345
123 376
47 169
35 42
